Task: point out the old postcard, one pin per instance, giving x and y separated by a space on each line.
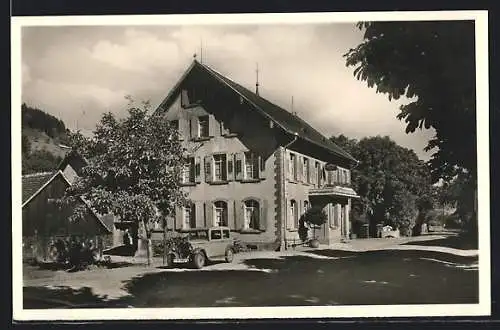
250 166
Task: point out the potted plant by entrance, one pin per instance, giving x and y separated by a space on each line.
315 217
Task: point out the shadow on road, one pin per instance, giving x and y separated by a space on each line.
452 241
375 277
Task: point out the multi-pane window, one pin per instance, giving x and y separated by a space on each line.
220 213
251 214
188 171
220 169
251 166
189 217
203 126
305 170
292 169
294 217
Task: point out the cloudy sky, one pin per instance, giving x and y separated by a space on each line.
76 73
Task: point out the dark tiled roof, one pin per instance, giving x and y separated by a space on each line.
108 221
289 122
31 183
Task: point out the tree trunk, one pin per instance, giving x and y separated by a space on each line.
144 243
164 241
144 249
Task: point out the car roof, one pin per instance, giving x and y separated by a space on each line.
206 228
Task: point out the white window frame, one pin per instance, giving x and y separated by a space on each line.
293 210
251 207
222 162
251 165
188 171
223 214
200 127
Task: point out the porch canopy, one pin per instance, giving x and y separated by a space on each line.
332 191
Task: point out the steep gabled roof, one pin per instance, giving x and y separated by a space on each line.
290 123
32 183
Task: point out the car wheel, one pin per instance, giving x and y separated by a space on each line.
199 260
229 255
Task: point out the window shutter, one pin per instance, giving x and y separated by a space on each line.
263 218
239 166
208 214
262 167
239 221
178 218
311 171
296 168
198 211
212 125
208 169
348 177
197 169
300 168
193 215
230 166
230 215
193 127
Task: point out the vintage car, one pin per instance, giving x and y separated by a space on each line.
201 245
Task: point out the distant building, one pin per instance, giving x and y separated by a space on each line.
44 220
254 166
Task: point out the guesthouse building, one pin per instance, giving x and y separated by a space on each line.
253 166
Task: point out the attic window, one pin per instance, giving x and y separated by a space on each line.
190 97
271 124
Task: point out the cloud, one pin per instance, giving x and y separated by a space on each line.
141 52
74 102
95 67
26 75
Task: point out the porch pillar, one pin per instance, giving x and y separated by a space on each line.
347 222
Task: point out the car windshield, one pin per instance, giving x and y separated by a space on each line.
198 234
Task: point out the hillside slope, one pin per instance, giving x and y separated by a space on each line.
43 140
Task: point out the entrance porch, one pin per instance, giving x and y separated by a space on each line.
336 202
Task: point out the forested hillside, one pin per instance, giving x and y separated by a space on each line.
42 137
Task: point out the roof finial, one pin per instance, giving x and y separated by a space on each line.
201 50
293 112
257 81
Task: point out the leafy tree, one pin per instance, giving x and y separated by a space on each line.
433 64
133 171
25 145
391 181
315 216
